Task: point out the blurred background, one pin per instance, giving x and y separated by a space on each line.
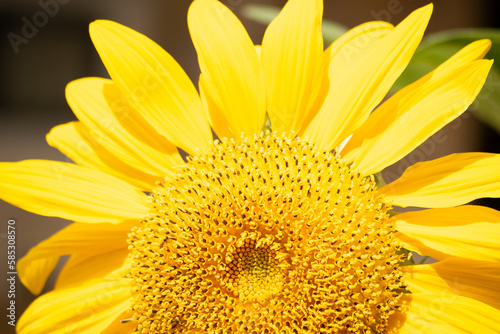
45 44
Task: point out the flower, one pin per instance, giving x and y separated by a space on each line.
263 232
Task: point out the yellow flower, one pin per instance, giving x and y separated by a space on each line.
263 232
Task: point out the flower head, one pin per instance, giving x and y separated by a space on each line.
285 231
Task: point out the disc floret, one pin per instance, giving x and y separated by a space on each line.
266 234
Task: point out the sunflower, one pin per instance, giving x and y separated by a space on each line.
283 231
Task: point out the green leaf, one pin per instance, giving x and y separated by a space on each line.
487 104
464 37
264 14
438 47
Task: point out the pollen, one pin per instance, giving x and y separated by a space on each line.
267 234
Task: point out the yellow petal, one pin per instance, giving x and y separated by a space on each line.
468 231
59 189
464 277
78 238
230 66
120 164
117 126
118 326
349 44
88 308
66 139
456 216
424 279
381 124
218 120
452 180
478 241
71 140
258 49
361 78
473 279
442 312
292 63
33 272
407 120
82 267
158 87
356 39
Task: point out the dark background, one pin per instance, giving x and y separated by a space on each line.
34 73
